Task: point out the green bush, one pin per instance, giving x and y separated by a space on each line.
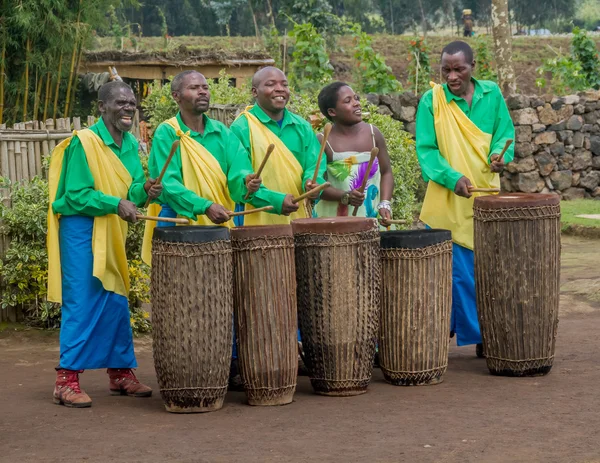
483 57
24 269
419 67
310 68
371 73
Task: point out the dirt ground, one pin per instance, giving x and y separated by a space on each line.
472 416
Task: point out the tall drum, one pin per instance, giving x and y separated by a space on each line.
265 312
416 302
192 316
338 273
517 270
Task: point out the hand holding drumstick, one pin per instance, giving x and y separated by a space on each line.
497 160
253 181
157 184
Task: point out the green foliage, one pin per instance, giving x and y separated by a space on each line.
272 43
585 52
371 73
403 156
483 57
419 67
222 92
567 75
115 28
310 68
159 105
24 269
139 292
588 13
576 72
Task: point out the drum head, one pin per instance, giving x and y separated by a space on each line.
191 234
258 231
519 200
414 239
334 225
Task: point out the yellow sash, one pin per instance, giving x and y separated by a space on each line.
282 172
108 240
201 174
466 149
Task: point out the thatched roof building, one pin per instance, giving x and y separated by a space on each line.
160 65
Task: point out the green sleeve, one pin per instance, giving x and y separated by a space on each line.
433 165
183 201
503 129
136 194
76 194
311 155
263 197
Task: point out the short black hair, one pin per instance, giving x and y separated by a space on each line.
109 89
459 47
328 97
177 81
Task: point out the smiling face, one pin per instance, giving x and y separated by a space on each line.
271 90
457 72
348 109
193 96
118 109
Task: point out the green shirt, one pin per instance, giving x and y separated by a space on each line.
488 111
220 142
297 135
76 194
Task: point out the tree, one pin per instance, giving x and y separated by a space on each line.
503 46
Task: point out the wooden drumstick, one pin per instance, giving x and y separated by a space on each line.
270 149
473 189
374 153
326 132
251 211
163 219
309 192
164 169
396 221
506 146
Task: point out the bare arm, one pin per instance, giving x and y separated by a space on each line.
385 166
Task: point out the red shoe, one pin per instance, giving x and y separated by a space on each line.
67 391
124 382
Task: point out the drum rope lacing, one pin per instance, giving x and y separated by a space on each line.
270 242
416 254
510 214
334 239
169 248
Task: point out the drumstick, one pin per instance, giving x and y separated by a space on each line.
396 222
506 145
326 131
374 153
164 169
251 211
473 189
163 219
309 192
270 149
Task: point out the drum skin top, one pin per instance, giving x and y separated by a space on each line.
518 200
258 231
413 239
191 234
334 225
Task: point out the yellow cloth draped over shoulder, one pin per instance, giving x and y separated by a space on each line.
466 148
110 231
282 172
201 174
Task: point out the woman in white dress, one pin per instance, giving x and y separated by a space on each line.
348 152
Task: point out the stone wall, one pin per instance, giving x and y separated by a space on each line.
557 141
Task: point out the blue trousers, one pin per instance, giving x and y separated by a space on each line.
95 327
464 321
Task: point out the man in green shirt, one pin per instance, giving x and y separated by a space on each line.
458 147
190 91
271 92
95 325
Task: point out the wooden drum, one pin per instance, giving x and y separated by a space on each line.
517 270
265 312
338 273
416 302
192 311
